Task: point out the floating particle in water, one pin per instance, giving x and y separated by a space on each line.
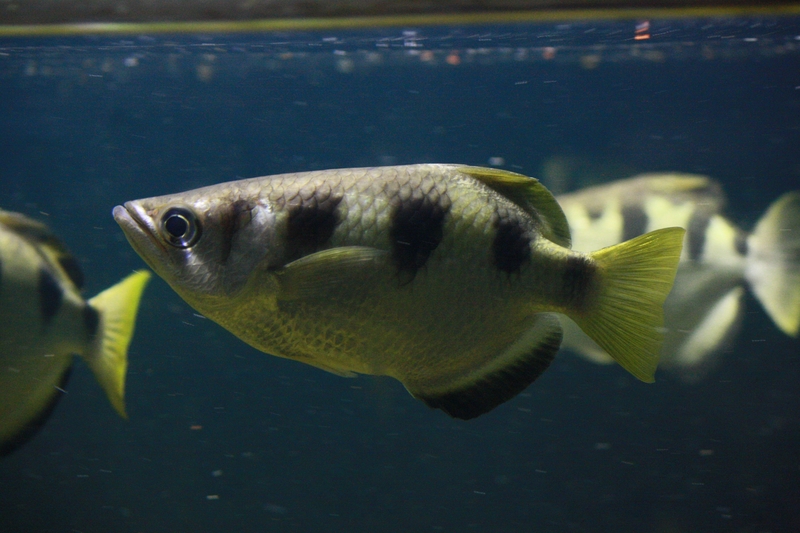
497 161
453 59
216 473
374 58
548 53
345 65
131 61
387 160
590 61
205 73
275 508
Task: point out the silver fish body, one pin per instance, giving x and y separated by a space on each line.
442 276
44 321
719 260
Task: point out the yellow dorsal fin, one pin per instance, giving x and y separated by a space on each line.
676 187
672 182
679 187
531 196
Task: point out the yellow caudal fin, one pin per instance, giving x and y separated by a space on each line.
627 316
117 307
773 262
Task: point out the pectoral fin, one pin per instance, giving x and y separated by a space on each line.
315 275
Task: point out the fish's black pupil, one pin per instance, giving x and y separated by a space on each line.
177 225
180 227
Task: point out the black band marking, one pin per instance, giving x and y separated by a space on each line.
634 222
72 269
741 243
417 229
230 222
50 295
511 247
91 320
578 276
594 212
696 233
311 223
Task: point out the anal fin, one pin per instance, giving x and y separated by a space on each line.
713 333
504 377
28 430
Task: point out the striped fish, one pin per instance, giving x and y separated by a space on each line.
44 321
444 277
719 261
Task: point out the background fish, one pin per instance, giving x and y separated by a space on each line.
441 276
704 310
44 321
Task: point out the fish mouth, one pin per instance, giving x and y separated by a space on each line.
139 229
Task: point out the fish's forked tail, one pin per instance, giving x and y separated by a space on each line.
773 262
626 316
117 307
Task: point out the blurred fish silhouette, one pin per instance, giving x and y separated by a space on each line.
719 260
44 321
444 277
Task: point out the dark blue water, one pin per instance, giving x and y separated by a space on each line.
224 438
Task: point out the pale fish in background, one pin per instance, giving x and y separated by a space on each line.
44 321
719 261
444 277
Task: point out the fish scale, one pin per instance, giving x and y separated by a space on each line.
432 294
444 277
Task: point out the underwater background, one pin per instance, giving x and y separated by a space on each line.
221 437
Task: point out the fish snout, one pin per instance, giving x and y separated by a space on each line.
139 228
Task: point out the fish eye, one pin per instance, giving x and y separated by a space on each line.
180 227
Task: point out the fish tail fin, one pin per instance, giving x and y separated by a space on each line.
117 307
773 262
627 316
